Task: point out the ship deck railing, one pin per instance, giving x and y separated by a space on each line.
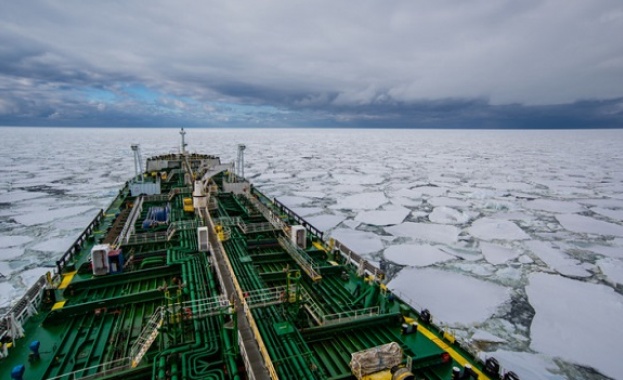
256 227
355 259
267 213
228 220
265 297
181 225
23 309
147 238
301 257
350 315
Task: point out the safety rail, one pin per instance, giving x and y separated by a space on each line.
265 297
228 220
299 220
77 245
350 315
23 309
267 213
312 307
355 259
156 198
128 227
155 237
302 258
206 307
255 227
182 225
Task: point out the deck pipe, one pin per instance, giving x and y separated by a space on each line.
198 341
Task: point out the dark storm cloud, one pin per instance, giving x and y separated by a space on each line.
438 64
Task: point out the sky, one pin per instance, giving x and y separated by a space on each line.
288 63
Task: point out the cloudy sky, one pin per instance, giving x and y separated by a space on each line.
427 64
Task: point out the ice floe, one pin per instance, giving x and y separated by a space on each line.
426 232
494 229
389 216
615 215
576 321
554 206
613 269
364 201
359 241
526 365
452 298
557 260
44 216
497 254
447 215
325 222
416 255
587 225
7 294
14 241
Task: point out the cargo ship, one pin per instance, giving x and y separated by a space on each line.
193 273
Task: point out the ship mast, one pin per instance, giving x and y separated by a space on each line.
183 146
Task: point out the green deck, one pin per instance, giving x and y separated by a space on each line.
299 313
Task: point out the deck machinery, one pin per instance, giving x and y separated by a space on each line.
193 273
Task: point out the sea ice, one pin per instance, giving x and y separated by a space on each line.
59 245
570 319
448 202
291 200
554 206
426 232
45 216
485 336
30 276
452 298
416 255
7 294
6 269
606 250
325 222
364 201
359 241
359 179
494 229
585 224
557 260
497 254
13 241
305 211
18 196
389 216
616 215
526 365
310 194
447 215
433 191
612 268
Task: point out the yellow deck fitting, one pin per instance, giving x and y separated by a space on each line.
58 305
318 246
67 277
444 346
